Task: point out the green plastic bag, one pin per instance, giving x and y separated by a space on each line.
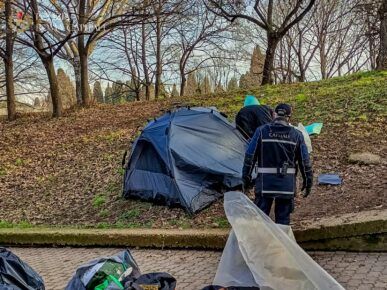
109 271
109 279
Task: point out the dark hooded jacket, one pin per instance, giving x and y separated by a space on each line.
249 118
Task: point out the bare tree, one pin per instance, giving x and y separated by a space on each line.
158 7
146 49
7 55
124 50
367 15
28 76
44 43
95 20
144 41
302 42
167 15
265 15
382 59
339 38
199 32
129 54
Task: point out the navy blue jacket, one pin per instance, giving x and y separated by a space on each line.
280 151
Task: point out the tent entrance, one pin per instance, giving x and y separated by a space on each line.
149 177
149 160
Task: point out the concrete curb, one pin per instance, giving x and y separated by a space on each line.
147 238
348 232
364 231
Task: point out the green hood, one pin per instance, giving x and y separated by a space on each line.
251 100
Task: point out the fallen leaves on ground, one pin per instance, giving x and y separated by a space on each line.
67 171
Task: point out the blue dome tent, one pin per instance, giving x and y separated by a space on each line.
186 157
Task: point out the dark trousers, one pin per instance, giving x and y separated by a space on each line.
283 208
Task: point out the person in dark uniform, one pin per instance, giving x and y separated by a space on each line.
251 116
280 151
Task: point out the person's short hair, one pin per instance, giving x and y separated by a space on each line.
283 110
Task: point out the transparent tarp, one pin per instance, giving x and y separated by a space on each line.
262 253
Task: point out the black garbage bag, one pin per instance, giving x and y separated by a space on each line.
159 281
214 287
106 273
16 274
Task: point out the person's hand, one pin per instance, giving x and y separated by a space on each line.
246 182
307 192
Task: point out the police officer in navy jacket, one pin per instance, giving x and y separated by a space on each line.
280 151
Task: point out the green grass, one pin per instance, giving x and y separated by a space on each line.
3 171
104 213
221 222
357 97
19 225
121 171
100 225
130 215
182 222
99 200
113 187
19 162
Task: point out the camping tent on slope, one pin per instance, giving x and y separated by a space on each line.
185 157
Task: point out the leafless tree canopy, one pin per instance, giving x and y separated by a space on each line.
139 50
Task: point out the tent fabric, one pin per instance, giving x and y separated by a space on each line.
260 253
186 157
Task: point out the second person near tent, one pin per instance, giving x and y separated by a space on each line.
252 116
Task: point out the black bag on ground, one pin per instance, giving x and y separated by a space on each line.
157 281
105 273
16 274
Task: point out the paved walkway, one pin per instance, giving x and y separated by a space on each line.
195 269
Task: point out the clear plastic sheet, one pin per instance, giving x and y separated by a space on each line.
308 142
261 253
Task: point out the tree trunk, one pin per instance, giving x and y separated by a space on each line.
137 95
77 74
11 101
83 55
323 60
85 89
272 42
302 77
8 62
54 89
158 54
182 84
382 59
323 66
144 63
301 66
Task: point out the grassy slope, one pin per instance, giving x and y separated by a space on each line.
67 171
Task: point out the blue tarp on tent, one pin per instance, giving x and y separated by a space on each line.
186 157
